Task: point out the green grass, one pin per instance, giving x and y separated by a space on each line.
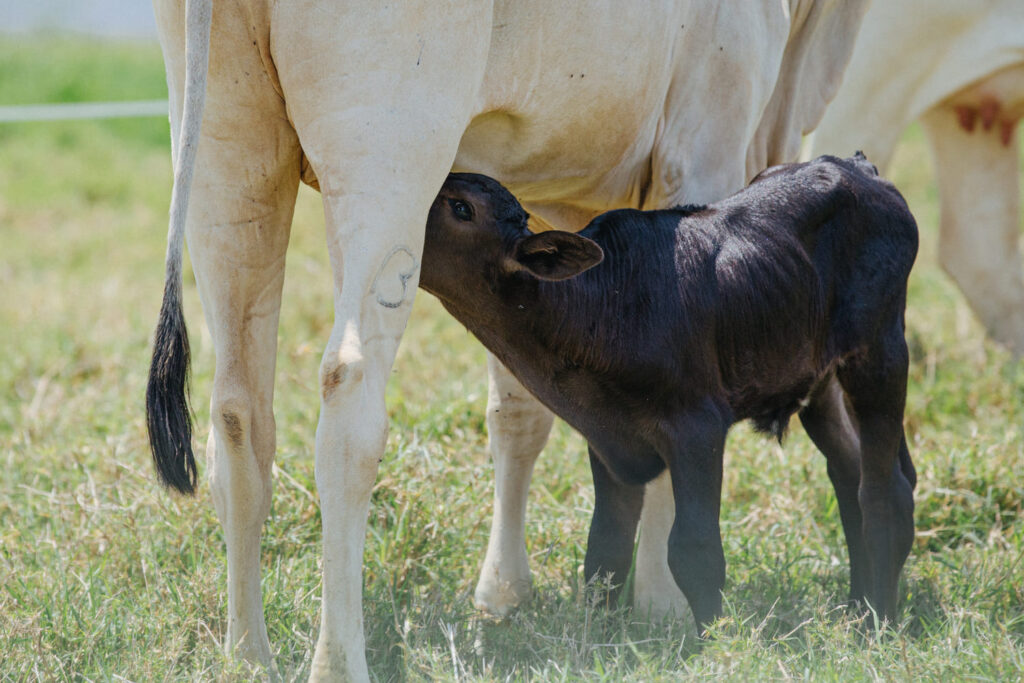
103 575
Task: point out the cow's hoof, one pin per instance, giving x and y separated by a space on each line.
664 605
498 597
330 665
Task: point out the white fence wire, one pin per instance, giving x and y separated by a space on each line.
82 110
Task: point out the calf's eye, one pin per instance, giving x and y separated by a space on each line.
462 210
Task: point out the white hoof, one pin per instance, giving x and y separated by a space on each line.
497 596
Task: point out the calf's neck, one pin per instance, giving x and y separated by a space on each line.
651 333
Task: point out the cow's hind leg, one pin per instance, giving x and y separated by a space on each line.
239 217
517 428
875 382
695 553
380 95
612 527
240 270
832 429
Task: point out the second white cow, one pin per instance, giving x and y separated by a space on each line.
957 66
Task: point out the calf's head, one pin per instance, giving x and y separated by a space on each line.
477 234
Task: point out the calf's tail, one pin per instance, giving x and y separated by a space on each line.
168 416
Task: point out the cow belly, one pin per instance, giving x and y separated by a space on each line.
573 126
561 120
595 162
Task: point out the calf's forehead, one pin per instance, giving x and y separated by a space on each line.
486 193
476 184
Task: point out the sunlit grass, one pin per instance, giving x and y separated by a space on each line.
103 574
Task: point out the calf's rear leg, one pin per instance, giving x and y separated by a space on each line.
612 528
876 384
834 431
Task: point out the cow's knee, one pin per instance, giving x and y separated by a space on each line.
239 478
353 426
233 420
232 409
517 426
340 376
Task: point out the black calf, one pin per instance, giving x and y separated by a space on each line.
786 297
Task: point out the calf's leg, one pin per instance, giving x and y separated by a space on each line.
517 428
695 553
833 430
612 527
876 383
655 593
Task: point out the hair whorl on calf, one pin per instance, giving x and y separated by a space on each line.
168 416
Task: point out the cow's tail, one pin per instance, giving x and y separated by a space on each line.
168 415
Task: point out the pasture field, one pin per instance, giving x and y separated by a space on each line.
105 576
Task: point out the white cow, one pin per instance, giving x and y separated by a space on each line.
958 67
576 107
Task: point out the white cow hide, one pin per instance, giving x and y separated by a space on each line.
957 66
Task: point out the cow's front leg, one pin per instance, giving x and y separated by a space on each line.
517 428
379 95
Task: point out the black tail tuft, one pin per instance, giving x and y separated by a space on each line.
168 415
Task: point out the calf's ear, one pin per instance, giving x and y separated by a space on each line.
557 255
